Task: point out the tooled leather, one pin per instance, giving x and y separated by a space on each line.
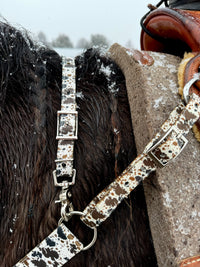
172 24
191 262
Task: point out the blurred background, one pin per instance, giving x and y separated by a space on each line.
72 26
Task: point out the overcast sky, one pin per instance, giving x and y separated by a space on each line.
117 20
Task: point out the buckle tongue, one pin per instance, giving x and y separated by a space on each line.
163 161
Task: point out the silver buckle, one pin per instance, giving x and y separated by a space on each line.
64 183
67 137
151 151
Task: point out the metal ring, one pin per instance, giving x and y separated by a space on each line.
79 213
186 89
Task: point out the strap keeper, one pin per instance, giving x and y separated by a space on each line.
64 136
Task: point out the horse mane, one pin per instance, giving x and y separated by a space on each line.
29 99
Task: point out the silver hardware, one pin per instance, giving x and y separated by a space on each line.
67 137
79 213
186 89
65 184
66 209
151 151
63 196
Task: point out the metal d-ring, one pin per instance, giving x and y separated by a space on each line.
186 89
79 213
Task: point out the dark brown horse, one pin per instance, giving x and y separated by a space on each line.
30 82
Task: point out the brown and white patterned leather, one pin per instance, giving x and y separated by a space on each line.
57 249
106 202
164 128
67 120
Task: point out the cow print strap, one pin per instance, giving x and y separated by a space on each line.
67 120
160 151
57 249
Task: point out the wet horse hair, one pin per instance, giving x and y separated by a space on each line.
29 99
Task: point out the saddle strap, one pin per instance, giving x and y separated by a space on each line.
166 145
55 250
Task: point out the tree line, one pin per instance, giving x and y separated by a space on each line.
63 41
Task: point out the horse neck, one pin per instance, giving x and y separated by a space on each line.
106 144
104 148
28 150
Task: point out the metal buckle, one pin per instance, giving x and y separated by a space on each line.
67 137
151 151
64 183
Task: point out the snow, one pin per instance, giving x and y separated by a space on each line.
167 200
157 102
106 70
80 95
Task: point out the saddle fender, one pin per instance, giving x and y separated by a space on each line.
175 31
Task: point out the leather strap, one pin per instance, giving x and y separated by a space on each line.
67 130
191 262
67 120
57 249
61 245
157 154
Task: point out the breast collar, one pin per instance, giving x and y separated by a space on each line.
167 144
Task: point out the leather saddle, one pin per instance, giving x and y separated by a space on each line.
176 31
172 31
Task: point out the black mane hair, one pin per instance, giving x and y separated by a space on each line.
30 82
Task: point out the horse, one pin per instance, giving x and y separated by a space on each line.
30 95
